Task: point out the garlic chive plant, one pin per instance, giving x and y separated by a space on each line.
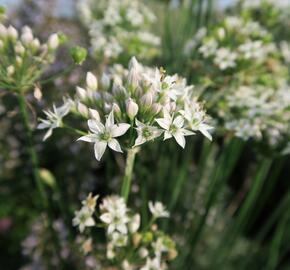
128 246
23 60
128 108
119 29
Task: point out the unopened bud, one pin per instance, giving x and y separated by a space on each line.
105 80
35 44
156 108
19 60
53 42
81 93
131 108
82 109
136 239
92 81
27 36
10 70
116 109
134 72
107 107
94 114
143 252
19 49
147 100
12 32
3 31
78 54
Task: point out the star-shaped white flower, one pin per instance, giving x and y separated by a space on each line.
103 136
114 214
173 126
158 210
195 118
146 133
83 219
54 118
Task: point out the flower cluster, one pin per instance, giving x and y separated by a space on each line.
127 108
257 111
128 246
119 29
235 49
23 57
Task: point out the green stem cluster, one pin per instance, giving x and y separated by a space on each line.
125 190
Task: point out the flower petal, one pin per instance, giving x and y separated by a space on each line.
114 145
178 121
100 147
88 138
164 123
119 129
110 120
179 137
95 126
167 135
47 134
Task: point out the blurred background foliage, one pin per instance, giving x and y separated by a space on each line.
229 199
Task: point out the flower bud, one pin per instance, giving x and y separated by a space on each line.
53 42
19 60
134 71
81 93
10 70
12 32
118 90
92 81
131 108
107 107
134 224
147 100
19 49
94 114
35 44
1 44
3 31
136 239
82 109
78 54
117 109
156 108
105 80
143 252
27 36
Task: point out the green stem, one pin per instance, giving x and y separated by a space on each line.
35 169
31 150
128 173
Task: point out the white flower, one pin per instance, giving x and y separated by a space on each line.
90 202
118 239
103 136
54 118
173 127
134 223
146 133
114 214
195 118
158 210
159 247
83 219
225 58
152 264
